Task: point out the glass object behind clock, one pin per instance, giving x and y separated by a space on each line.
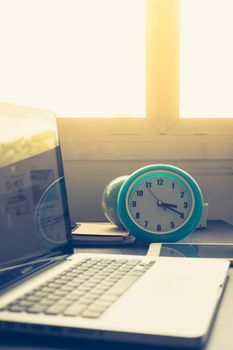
30 163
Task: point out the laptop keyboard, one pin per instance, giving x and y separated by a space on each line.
86 289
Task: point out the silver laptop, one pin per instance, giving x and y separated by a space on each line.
46 288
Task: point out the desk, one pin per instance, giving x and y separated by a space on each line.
221 336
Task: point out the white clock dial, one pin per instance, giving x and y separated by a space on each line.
160 203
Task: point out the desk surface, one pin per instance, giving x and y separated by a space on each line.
221 335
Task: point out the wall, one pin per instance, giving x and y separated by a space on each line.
86 181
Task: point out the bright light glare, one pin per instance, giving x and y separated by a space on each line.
78 58
206 59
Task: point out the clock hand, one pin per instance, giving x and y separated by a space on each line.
172 209
153 194
170 205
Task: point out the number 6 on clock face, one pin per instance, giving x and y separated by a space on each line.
160 203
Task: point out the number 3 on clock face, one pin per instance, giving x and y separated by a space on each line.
160 203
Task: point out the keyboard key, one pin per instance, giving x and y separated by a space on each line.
134 261
47 302
91 314
66 288
25 303
53 297
36 309
60 292
41 294
74 310
55 309
87 299
64 302
15 308
75 294
122 286
95 292
33 298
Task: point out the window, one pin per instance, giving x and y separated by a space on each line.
79 58
206 69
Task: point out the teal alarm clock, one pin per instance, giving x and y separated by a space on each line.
160 203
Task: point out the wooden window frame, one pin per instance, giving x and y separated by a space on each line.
161 134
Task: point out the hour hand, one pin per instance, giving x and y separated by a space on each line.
170 205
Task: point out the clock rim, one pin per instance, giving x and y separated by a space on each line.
175 235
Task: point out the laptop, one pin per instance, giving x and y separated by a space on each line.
47 289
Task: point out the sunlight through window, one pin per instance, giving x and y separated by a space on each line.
78 58
206 63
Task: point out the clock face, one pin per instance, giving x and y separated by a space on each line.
160 202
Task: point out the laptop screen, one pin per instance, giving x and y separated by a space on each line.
34 217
